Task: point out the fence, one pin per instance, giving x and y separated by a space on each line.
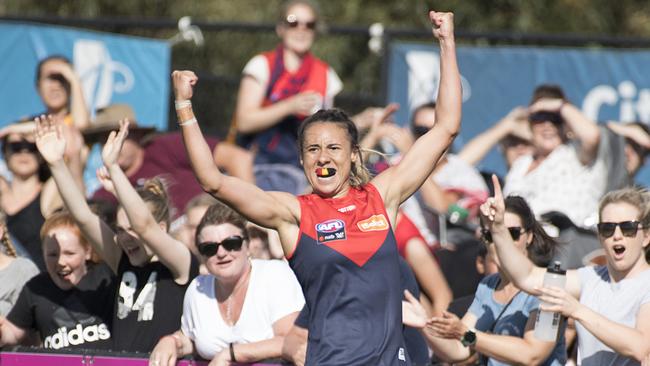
366 72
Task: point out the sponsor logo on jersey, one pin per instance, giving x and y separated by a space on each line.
401 355
346 209
330 230
77 335
373 223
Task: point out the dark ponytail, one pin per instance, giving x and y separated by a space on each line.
543 247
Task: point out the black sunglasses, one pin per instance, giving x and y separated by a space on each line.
552 117
419 131
515 233
18 146
628 228
292 22
231 243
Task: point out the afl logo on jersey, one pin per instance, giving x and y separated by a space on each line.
330 230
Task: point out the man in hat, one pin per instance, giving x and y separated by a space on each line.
145 155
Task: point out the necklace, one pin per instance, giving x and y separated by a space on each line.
233 294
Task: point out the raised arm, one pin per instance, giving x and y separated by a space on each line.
78 107
584 129
274 210
50 197
399 182
234 160
51 145
515 123
523 273
171 252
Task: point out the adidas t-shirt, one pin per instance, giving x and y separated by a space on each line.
68 319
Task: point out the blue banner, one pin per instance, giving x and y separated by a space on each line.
606 84
112 69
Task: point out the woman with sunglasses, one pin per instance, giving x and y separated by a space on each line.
565 171
279 88
339 239
154 269
499 323
242 309
610 303
24 197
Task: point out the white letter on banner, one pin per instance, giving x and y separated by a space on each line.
602 94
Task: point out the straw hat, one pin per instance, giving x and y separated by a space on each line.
108 119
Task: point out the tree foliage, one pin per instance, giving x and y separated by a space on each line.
225 52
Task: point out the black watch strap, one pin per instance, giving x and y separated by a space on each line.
469 338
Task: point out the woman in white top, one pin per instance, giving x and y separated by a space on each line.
257 300
611 303
565 171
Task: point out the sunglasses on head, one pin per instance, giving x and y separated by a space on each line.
515 233
628 228
292 22
231 243
18 146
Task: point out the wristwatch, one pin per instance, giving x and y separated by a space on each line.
469 338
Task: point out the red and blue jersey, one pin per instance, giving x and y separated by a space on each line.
346 261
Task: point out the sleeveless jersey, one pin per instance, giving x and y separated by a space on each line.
347 264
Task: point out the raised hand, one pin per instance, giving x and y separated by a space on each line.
64 69
547 105
494 208
74 141
443 25
113 145
631 131
105 179
382 116
447 326
400 137
49 138
183 82
517 123
413 314
386 114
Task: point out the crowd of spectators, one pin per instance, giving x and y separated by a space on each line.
151 264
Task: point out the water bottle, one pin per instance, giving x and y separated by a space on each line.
457 214
547 323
